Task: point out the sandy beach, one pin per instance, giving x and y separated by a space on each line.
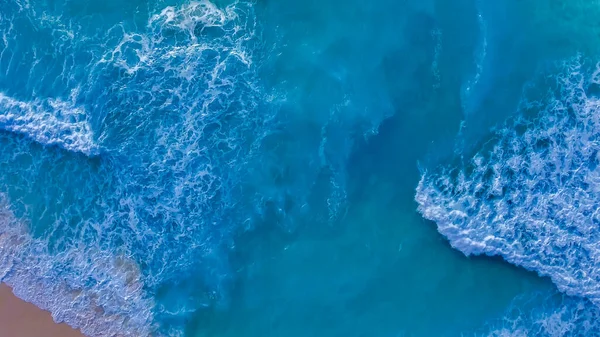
22 319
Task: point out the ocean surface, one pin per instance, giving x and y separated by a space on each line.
303 168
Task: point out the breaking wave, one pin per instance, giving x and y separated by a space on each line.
531 194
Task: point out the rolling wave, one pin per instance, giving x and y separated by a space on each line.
532 195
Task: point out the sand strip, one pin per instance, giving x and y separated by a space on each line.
22 319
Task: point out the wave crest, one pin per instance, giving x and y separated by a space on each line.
533 197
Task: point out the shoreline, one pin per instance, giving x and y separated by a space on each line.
19 318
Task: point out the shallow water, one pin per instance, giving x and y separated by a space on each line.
249 168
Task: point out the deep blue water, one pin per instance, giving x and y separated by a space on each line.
316 168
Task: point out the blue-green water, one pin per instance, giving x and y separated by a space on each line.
316 168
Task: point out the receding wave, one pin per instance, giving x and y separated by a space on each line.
532 198
88 288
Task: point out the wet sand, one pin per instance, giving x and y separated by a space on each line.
22 319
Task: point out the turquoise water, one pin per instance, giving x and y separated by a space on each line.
317 168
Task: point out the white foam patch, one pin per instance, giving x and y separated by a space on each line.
533 198
90 289
547 316
49 122
153 49
189 91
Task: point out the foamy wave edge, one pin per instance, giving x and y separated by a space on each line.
93 290
532 198
50 122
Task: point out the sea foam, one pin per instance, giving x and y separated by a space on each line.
532 195
546 315
50 122
190 151
172 105
90 289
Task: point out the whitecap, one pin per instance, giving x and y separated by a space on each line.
532 197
